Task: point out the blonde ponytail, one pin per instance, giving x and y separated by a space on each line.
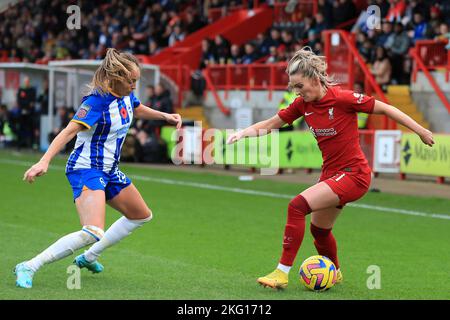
114 72
309 65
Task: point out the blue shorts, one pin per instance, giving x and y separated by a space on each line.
112 184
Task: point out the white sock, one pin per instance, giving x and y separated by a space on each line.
116 232
65 246
284 268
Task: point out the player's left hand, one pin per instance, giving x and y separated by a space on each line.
427 137
174 118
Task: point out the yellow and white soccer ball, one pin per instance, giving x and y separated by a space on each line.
318 273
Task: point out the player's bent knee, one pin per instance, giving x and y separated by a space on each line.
93 233
299 205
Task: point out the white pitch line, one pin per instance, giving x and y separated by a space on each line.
251 192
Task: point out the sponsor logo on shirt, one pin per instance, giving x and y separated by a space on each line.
323 132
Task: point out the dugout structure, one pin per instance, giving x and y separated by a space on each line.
67 80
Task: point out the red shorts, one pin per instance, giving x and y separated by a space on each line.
349 184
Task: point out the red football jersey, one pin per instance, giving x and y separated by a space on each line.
333 122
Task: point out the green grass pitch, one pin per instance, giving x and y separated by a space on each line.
213 243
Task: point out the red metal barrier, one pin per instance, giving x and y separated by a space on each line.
420 64
347 65
367 143
249 77
433 53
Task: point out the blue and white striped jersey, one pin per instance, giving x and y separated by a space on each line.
107 119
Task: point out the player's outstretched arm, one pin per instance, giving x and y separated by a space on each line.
41 167
395 114
257 129
146 113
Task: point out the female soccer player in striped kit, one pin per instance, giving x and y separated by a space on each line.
100 124
331 115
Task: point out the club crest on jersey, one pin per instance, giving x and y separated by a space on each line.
83 111
331 113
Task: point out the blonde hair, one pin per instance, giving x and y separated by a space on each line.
310 65
114 72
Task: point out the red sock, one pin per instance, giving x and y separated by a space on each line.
325 243
295 229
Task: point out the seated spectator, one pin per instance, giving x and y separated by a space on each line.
420 27
176 35
343 11
382 68
386 31
396 10
287 39
443 34
207 54
398 45
235 55
221 49
249 54
273 57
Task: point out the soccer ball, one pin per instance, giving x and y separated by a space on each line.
318 273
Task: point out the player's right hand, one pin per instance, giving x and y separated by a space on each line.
427 137
36 170
234 137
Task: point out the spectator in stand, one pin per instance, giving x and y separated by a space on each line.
272 55
382 68
249 53
26 100
434 22
396 10
193 22
301 32
153 47
64 116
4 118
443 34
365 47
235 55
398 45
221 49
386 32
343 11
150 94
384 7
419 26
320 23
207 54
162 102
176 35
326 9
43 99
287 39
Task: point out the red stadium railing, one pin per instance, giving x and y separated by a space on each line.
347 66
433 53
256 76
212 88
181 76
424 67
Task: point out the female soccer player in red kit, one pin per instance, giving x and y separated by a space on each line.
331 115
